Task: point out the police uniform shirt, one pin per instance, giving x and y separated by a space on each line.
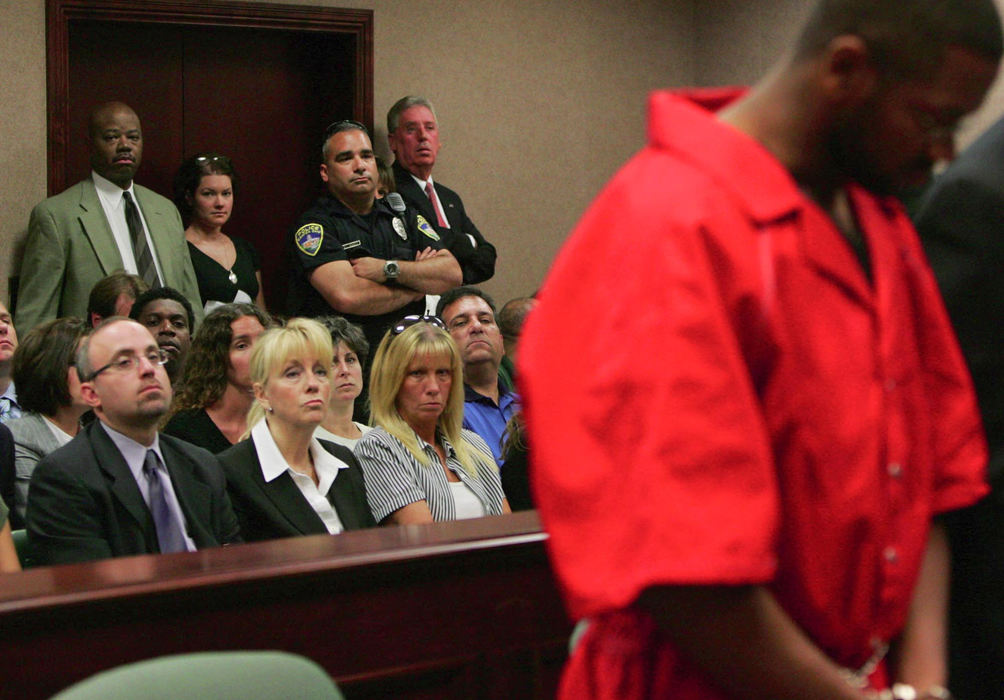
329 231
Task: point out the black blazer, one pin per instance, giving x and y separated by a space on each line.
270 510
477 263
85 503
7 475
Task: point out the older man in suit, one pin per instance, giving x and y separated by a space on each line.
120 488
102 224
413 133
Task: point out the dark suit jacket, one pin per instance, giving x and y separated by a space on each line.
85 503
270 510
961 225
7 474
477 263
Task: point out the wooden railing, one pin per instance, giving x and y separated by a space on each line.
454 610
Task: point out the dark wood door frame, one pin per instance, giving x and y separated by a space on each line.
60 13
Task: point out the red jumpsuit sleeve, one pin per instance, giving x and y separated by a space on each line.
651 462
957 440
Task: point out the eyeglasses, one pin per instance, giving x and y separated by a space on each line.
128 363
343 125
409 321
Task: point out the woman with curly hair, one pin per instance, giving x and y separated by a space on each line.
211 409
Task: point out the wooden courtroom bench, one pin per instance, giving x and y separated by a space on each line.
466 609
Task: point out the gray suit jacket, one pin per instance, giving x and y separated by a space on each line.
85 503
70 247
33 439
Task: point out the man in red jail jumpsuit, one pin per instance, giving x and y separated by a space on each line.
745 400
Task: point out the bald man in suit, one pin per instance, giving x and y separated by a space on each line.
82 235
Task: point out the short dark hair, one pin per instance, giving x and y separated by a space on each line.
205 371
41 362
105 293
512 315
337 128
906 37
190 174
459 293
344 332
158 293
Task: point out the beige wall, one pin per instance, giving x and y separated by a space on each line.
539 101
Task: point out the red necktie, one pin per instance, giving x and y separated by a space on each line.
435 205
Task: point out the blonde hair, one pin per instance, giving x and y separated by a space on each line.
390 365
300 337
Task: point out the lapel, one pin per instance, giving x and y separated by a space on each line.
413 194
96 230
289 503
345 499
122 483
160 232
827 250
194 495
39 433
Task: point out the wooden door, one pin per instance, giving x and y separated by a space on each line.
257 83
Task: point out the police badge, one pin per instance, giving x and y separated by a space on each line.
400 229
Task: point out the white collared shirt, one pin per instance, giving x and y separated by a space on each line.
135 454
438 204
326 466
113 205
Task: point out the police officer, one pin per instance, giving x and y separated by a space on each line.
356 255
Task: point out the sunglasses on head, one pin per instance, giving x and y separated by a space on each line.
409 321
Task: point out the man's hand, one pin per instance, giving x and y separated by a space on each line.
426 254
369 268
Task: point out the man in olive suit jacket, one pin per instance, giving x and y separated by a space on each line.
83 234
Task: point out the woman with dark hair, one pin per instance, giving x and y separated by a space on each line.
350 349
420 465
283 481
211 409
228 268
48 389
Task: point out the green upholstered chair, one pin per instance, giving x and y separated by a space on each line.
231 675
21 545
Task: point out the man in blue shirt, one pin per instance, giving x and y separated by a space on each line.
469 314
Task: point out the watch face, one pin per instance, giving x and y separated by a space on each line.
391 268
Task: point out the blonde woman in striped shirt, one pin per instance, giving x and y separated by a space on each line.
419 464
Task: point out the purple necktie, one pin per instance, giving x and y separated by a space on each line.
169 534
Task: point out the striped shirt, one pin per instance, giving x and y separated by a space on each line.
394 478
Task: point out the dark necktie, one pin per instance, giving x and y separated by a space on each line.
169 534
144 258
440 219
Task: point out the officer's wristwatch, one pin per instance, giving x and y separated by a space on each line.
391 270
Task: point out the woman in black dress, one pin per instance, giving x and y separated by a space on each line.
228 268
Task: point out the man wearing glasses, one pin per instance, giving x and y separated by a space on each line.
359 256
120 488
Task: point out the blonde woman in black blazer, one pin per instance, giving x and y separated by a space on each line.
282 481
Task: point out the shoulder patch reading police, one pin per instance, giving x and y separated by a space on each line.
425 228
309 237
